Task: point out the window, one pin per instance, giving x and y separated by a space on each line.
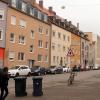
31 48
39 57
82 45
57 59
13 3
53 34
64 37
23 6
11 56
59 47
54 59
68 38
59 35
46 46
40 30
47 33
1 34
35 12
23 23
13 20
32 11
40 44
45 18
46 58
39 15
21 39
12 37
1 14
64 48
21 56
42 16
53 46
32 34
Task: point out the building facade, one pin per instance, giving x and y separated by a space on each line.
27 35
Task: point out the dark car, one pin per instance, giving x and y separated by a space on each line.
59 70
37 71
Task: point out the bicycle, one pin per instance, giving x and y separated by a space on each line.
71 78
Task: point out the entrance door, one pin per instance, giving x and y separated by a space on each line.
31 63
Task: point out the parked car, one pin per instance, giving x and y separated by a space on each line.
51 70
54 70
96 67
66 69
37 70
19 70
59 70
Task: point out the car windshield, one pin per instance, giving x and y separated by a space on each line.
15 67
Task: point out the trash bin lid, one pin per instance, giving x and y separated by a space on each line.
20 78
37 77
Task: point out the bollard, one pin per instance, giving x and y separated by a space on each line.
20 86
37 86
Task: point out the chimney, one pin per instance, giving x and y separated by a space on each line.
50 9
70 22
41 3
78 26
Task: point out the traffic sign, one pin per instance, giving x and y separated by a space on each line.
70 53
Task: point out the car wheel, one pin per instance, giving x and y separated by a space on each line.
17 74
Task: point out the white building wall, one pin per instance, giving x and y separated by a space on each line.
59 53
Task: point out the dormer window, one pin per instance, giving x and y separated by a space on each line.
13 3
39 15
23 7
45 18
42 16
32 11
36 13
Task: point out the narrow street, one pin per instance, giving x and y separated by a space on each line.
85 87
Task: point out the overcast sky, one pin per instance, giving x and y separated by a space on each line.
86 12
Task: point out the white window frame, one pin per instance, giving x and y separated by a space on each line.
11 56
31 48
2 14
20 54
40 44
22 23
13 20
12 40
32 34
1 34
21 40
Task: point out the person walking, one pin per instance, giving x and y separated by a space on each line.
4 83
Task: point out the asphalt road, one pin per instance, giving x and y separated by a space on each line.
86 87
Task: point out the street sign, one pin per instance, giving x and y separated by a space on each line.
70 53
